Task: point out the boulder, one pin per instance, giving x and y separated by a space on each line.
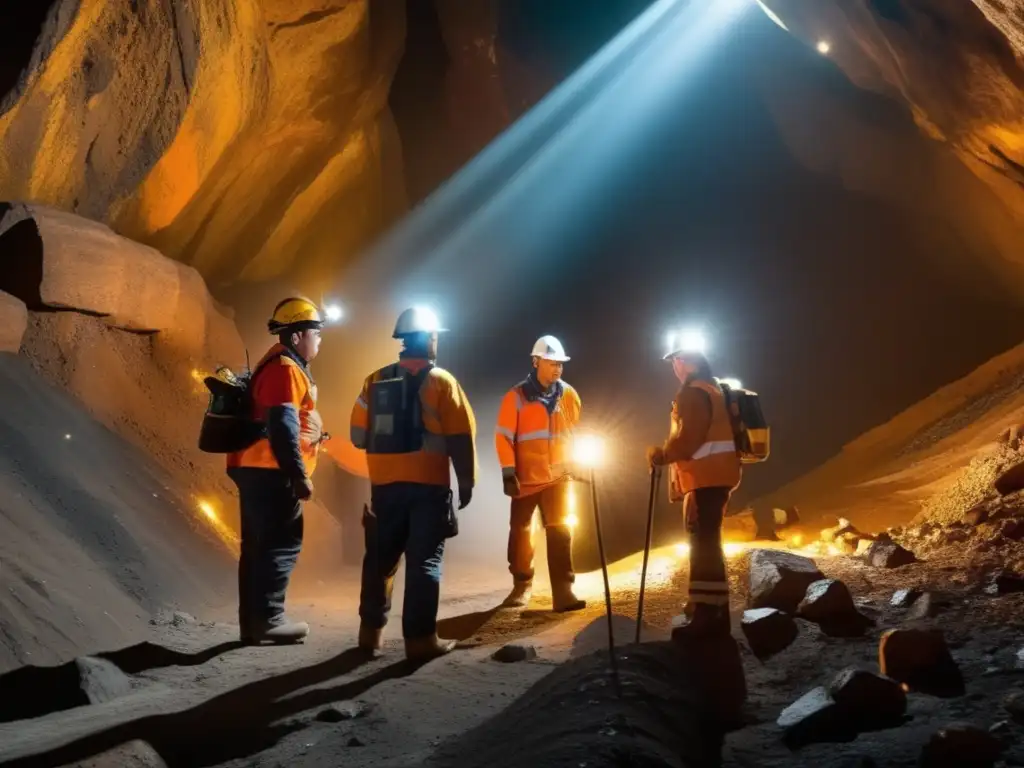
926 606
961 745
904 598
786 516
13 322
780 579
920 659
513 652
768 631
976 516
871 700
101 680
1004 583
888 554
1013 529
814 718
828 603
57 260
1010 480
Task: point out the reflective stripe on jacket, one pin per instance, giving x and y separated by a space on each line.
712 462
449 433
532 444
282 382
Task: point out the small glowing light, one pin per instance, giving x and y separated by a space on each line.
333 313
197 375
682 549
572 521
67 436
824 46
588 451
732 548
834 550
797 540
731 383
207 509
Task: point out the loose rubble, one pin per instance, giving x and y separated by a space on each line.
961 745
780 579
921 659
515 652
885 553
768 631
829 604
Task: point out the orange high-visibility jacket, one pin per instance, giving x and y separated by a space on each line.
535 446
449 433
282 382
701 445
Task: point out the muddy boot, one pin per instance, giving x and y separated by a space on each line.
285 633
371 641
563 599
703 622
519 597
427 648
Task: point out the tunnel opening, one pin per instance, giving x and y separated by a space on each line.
18 34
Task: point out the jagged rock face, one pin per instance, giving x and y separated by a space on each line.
235 135
955 63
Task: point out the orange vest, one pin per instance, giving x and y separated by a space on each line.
715 464
282 373
533 444
447 416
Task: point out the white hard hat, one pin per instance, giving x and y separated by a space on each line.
417 320
549 348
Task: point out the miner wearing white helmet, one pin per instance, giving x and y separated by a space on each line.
414 421
533 438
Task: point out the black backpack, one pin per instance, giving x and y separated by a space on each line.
228 425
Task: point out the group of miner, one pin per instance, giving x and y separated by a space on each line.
415 423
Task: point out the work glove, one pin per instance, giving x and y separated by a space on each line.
655 456
465 495
303 488
510 485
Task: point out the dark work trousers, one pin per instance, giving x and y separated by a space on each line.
408 519
553 502
271 539
704 509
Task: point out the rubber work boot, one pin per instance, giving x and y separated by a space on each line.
703 621
563 600
284 633
427 648
520 595
371 641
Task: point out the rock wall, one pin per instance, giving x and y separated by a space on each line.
956 64
237 136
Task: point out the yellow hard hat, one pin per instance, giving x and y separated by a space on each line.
295 314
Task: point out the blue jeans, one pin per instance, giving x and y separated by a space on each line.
272 528
408 519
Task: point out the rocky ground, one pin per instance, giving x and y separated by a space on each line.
318 704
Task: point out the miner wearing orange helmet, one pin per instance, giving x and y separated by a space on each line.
273 474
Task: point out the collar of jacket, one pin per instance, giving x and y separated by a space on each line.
414 364
533 391
299 360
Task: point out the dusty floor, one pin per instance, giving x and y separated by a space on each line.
225 705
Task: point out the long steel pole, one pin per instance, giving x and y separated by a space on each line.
655 476
607 586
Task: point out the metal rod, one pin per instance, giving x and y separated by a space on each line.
655 476
607 586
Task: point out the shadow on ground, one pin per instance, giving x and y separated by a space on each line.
32 691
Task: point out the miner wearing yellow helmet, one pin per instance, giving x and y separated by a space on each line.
273 474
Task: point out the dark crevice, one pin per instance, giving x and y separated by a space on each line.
21 249
309 18
19 30
892 10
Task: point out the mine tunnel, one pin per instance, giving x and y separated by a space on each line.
827 195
